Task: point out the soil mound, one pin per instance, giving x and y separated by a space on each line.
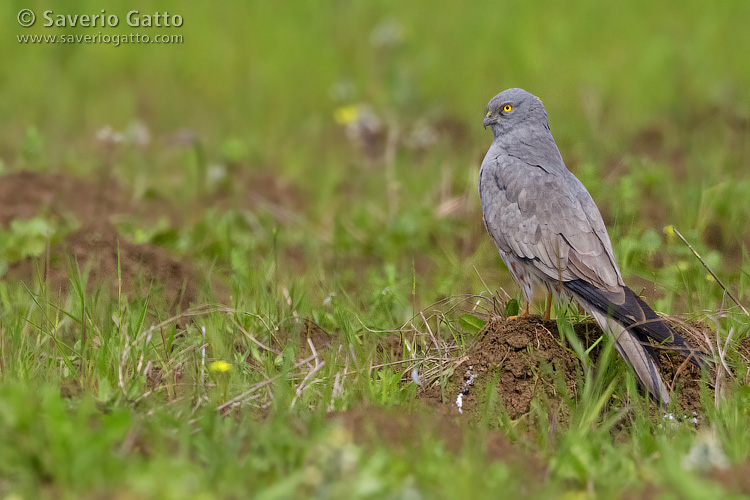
531 360
516 352
96 247
24 195
98 250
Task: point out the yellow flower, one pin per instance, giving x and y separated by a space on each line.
669 231
346 115
220 366
710 278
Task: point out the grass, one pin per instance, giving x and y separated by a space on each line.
293 219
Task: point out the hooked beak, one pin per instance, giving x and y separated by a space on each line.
488 120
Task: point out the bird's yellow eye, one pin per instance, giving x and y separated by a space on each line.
488 114
507 108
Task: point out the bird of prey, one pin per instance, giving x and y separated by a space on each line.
549 232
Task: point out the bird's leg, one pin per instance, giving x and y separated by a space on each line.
548 309
524 312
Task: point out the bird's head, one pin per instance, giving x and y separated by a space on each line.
512 109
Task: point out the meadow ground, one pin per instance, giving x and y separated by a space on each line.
251 262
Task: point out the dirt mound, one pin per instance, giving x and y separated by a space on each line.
96 246
24 195
519 349
98 250
530 360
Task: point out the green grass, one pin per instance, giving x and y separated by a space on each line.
107 394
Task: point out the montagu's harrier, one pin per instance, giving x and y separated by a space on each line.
549 231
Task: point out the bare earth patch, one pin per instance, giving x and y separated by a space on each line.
24 195
401 431
98 250
530 360
96 247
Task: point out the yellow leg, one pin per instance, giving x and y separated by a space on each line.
548 309
524 312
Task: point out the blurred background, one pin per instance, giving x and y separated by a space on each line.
323 152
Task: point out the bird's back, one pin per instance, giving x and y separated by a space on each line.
544 214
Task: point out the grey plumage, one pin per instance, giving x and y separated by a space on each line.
549 232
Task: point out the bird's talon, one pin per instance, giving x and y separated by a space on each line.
522 314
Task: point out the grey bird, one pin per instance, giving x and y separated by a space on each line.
549 232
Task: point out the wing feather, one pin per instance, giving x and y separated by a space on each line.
548 219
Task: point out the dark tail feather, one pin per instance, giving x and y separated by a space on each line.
638 355
635 315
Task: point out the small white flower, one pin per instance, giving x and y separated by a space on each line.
388 33
422 136
108 135
216 172
137 133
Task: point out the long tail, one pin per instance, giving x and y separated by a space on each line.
631 324
635 315
639 356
